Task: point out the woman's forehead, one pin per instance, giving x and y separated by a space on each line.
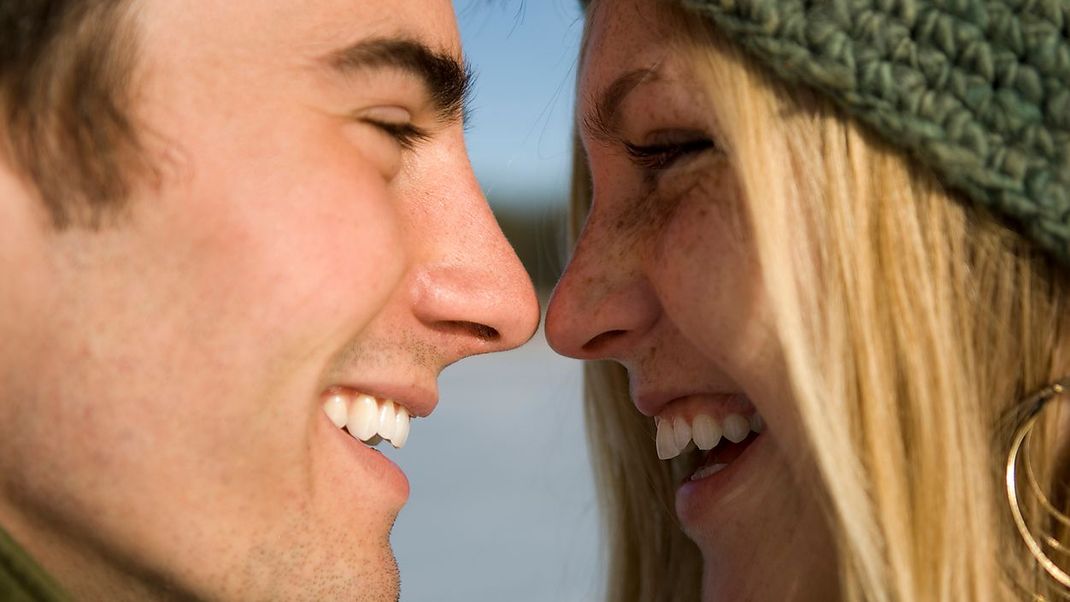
622 36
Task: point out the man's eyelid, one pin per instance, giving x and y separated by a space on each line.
422 117
386 113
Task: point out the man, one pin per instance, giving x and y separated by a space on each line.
227 228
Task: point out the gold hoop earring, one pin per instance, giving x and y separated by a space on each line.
1028 414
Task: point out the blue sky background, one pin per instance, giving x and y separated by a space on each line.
525 55
503 503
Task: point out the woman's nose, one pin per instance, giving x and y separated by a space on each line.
603 303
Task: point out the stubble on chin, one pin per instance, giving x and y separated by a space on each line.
297 565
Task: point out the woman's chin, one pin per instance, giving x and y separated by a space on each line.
800 568
757 584
762 534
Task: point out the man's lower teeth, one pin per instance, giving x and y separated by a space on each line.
706 471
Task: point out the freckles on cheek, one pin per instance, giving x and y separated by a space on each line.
709 282
694 251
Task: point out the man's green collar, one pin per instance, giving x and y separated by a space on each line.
22 579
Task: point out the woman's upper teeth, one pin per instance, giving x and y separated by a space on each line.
705 430
366 417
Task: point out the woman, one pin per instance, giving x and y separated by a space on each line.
825 246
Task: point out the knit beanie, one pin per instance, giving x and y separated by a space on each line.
977 90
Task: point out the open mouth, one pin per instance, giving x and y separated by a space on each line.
709 463
711 443
368 419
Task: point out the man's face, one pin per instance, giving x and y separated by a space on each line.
162 379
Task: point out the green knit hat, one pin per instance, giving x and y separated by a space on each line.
979 91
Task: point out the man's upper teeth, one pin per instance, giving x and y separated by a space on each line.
337 409
706 431
366 417
362 420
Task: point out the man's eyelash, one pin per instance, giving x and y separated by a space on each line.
407 135
657 157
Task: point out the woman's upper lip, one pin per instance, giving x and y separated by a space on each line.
653 402
419 401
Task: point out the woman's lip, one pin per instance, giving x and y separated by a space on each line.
694 498
653 403
382 472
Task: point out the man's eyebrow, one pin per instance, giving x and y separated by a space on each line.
601 123
448 80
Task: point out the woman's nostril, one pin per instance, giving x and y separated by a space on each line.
593 345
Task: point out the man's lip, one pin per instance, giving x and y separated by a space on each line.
419 401
380 467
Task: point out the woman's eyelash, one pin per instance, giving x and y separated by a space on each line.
656 157
407 135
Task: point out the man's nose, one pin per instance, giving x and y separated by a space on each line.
603 304
470 286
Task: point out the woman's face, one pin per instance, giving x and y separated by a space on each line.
664 281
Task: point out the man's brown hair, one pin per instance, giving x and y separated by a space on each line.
65 71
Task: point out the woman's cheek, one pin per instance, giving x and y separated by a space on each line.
708 279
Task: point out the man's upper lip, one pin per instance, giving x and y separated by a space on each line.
419 401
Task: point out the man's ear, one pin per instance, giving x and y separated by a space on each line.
21 206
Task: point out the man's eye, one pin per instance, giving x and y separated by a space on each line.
396 122
406 135
658 157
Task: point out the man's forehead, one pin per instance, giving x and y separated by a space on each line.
340 23
310 27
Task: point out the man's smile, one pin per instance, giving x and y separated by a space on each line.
368 419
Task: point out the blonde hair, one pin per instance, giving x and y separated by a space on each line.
910 323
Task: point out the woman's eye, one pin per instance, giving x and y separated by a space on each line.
661 156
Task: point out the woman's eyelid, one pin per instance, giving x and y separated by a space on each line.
670 137
662 149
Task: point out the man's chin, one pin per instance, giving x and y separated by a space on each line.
308 561
372 580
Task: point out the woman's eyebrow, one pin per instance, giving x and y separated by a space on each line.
448 80
602 123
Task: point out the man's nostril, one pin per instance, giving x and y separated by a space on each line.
601 340
485 332
480 331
